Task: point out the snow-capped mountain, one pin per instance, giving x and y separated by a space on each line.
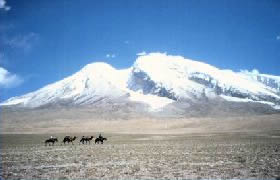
182 79
157 81
268 80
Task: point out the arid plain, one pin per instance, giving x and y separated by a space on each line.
192 148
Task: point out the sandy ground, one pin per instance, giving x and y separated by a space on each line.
239 147
31 124
144 156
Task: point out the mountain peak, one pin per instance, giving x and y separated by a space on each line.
97 66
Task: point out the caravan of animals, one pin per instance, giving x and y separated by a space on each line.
71 139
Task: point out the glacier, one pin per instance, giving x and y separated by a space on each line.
155 80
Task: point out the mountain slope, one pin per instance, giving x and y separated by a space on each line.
156 82
85 86
180 79
268 80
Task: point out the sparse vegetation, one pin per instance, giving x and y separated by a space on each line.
224 155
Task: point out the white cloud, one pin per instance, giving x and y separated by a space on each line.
4 6
143 53
9 80
24 42
110 55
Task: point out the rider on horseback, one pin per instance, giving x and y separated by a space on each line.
100 136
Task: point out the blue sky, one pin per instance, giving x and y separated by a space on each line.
43 41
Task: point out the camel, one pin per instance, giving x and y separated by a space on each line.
69 139
100 139
51 140
86 139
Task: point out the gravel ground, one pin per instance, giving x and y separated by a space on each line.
123 156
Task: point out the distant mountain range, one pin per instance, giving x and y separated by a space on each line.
158 83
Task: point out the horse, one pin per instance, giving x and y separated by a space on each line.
69 139
51 140
100 139
86 139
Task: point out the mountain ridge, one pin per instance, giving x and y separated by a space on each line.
156 81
